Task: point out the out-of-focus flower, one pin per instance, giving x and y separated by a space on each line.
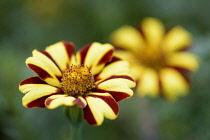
159 59
90 79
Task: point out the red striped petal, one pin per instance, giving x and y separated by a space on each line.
119 90
83 53
88 116
117 95
39 71
117 76
95 56
110 101
40 102
69 49
100 106
106 58
80 102
32 80
48 55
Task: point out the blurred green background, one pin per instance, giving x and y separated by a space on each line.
34 24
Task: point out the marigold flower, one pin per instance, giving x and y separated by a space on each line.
158 57
90 79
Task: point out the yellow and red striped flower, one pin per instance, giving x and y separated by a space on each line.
93 79
159 58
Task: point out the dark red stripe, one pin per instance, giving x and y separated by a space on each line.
79 102
96 77
40 102
110 101
88 116
160 85
69 48
183 49
106 58
32 80
83 52
141 33
114 59
116 77
119 48
42 73
135 88
117 95
37 103
184 72
50 57
48 101
59 77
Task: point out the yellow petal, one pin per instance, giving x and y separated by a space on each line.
176 39
81 102
116 68
118 85
44 67
148 83
153 31
137 71
135 67
95 56
37 91
31 83
62 53
128 38
173 84
126 55
55 101
100 105
183 60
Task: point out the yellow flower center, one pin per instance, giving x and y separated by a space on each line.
77 80
152 57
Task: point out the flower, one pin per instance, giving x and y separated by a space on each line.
90 79
159 59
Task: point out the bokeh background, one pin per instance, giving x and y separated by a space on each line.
34 24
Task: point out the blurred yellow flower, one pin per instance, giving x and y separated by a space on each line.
158 57
90 79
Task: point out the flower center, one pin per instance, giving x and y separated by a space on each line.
153 58
77 80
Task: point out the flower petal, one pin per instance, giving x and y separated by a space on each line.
117 85
47 70
127 38
81 102
176 39
135 68
95 56
62 53
28 83
55 101
148 83
126 55
36 92
119 67
183 60
153 31
173 84
100 106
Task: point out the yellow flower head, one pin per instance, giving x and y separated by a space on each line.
158 58
90 79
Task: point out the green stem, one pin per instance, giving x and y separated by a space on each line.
76 131
149 120
75 115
